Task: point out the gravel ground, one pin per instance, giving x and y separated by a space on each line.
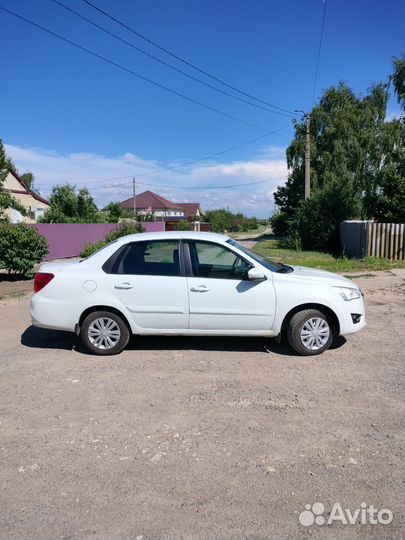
183 438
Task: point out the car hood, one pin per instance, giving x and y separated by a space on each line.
320 276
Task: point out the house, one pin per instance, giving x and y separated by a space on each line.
192 211
33 203
162 209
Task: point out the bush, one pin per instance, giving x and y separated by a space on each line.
315 224
91 248
124 230
222 220
183 226
279 223
21 247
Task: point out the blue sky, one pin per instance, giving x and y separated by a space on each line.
69 116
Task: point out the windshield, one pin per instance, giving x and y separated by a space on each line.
267 263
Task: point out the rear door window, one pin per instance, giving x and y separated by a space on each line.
155 258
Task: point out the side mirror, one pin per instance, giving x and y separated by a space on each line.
254 274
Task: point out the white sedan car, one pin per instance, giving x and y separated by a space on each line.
199 284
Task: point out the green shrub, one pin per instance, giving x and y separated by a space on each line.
183 226
279 223
315 223
21 247
91 248
124 230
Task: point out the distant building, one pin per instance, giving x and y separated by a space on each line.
149 203
33 203
192 211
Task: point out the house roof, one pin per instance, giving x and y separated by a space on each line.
148 199
26 189
190 209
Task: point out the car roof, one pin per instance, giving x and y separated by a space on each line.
170 235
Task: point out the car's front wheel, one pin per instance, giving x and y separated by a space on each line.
309 332
104 333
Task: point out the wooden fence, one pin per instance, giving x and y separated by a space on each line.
367 238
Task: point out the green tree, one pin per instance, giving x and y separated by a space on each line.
398 79
222 220
114 212
279 223
357 166
391 200
6 199
390 204
69 205
28 178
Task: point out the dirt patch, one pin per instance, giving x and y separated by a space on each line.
201 438
15 288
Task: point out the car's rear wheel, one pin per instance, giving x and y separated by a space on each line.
104 333
309 332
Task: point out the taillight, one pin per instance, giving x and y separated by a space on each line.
41 280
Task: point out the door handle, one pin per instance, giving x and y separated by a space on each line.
199 288
124 286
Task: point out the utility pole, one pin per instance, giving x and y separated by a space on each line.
133 197
307 117
308 157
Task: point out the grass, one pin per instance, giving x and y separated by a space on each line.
274 249
13 296
259 230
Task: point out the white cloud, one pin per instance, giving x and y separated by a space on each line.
97 172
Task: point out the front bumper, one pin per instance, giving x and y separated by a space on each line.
352 316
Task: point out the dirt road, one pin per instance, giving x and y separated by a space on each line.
201 438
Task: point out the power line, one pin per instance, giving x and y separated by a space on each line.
170 66
134 73
319 50
199 188
189 64
205 158
191 162
217 187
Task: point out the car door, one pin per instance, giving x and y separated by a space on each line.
221 299
148 278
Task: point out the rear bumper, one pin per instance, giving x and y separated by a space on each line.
55 315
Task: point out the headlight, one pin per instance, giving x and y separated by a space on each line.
347 293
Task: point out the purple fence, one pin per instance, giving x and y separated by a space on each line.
68 239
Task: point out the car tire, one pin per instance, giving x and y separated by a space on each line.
310 332
104 333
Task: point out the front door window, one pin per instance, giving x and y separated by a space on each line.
214 261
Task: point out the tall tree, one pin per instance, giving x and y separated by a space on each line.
356 165
115 212
69 205
398 79
391 200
